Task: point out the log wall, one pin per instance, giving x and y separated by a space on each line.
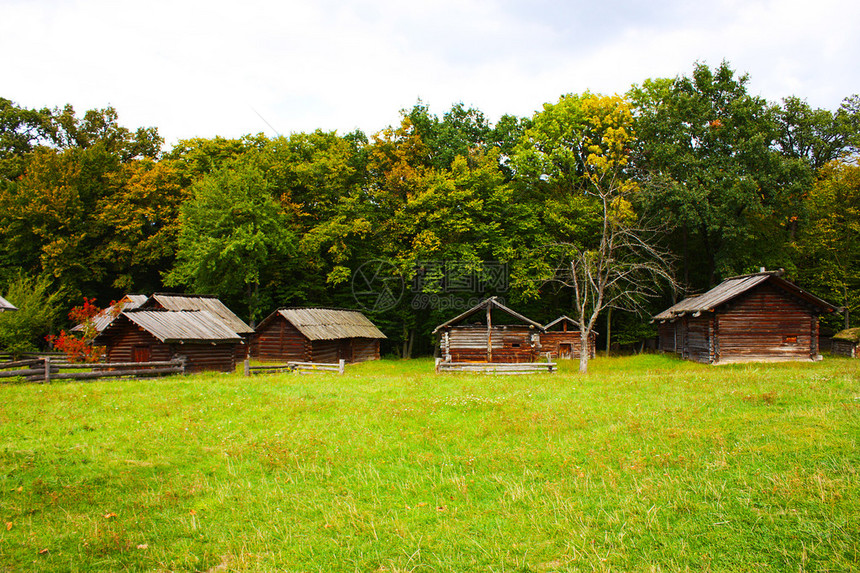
509 343
559 344
845 348
280 340
128 342
766 324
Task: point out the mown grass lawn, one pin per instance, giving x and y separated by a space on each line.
646 464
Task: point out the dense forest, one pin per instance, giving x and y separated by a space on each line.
422 219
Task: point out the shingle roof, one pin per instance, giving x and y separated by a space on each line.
6 305
733 287
199 302
491 302
328 323
177 326
569 320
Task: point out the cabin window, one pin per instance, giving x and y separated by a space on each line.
515 345
789 339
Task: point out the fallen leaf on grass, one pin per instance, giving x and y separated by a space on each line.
143 546
21 488
192 512
43 551
442 508
8 525
110 515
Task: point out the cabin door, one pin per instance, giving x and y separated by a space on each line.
565 350
141 354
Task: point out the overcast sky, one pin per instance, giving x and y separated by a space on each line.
200 69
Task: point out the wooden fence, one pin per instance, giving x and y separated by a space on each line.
340 367
46 369
497 367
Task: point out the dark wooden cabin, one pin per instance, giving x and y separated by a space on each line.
562 339
209 303
200 337
846 343
5 305
322 335
478 335
755 317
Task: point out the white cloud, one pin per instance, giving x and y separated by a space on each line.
207 68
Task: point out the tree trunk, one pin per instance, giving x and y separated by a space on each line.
583 351
608 329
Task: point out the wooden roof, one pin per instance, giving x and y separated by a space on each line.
205 302
6 305
570 321
171 326
490 303
327 323
734 287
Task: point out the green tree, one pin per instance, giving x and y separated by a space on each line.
232 231
581 146
705 152
39 305
829 246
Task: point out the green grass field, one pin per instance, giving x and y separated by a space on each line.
646 464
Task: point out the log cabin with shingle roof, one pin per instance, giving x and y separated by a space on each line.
846 343
758 317
200 337
323 335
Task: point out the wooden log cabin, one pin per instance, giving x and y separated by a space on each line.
198 336
846 343
478 335
562 339
755 317
322 335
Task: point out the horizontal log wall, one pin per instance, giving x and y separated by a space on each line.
553 342
203 356
766 323
509 344
845 348
200 357
120 347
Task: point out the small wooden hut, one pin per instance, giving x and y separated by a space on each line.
323 335
755 317
847 343
5 305
200 337
479 336
562 339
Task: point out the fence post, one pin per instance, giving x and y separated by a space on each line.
438 362
247 367
341 364
47 369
